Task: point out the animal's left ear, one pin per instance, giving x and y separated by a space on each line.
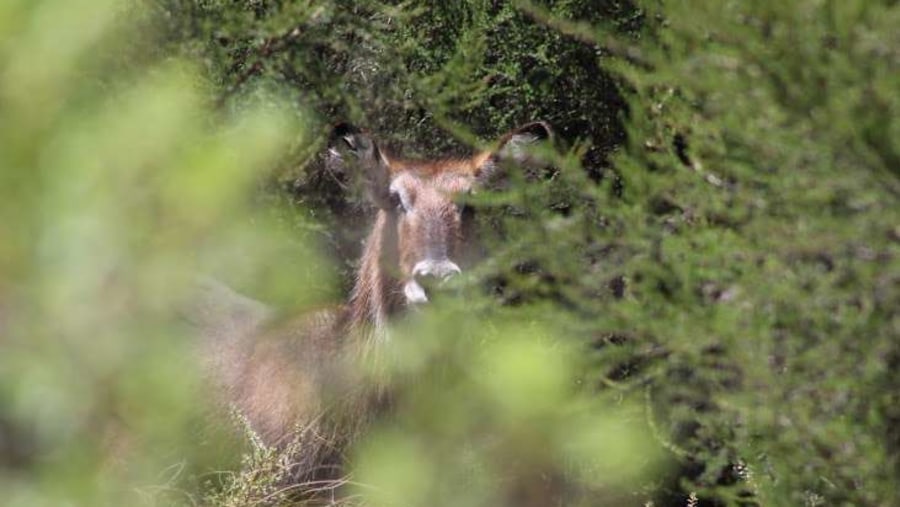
516 148
355 152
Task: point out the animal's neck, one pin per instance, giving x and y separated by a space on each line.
377 291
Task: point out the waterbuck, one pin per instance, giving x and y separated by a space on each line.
297 381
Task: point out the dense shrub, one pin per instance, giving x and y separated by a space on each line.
707 269
760 216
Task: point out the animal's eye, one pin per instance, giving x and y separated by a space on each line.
397 202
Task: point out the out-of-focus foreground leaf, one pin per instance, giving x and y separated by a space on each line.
116 178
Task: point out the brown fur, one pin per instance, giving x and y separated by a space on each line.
300 378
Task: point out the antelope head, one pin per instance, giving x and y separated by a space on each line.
423 240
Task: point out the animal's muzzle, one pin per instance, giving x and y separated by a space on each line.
430 273
441 270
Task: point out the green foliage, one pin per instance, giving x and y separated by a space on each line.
760 220
709 277
493 415
116 189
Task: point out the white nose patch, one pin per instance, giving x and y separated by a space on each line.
414 293
441 270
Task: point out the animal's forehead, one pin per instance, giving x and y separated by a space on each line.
449 183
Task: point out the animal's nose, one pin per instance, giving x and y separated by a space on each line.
426 276
441 269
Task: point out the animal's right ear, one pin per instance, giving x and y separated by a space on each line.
515 144
516 148
357 154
